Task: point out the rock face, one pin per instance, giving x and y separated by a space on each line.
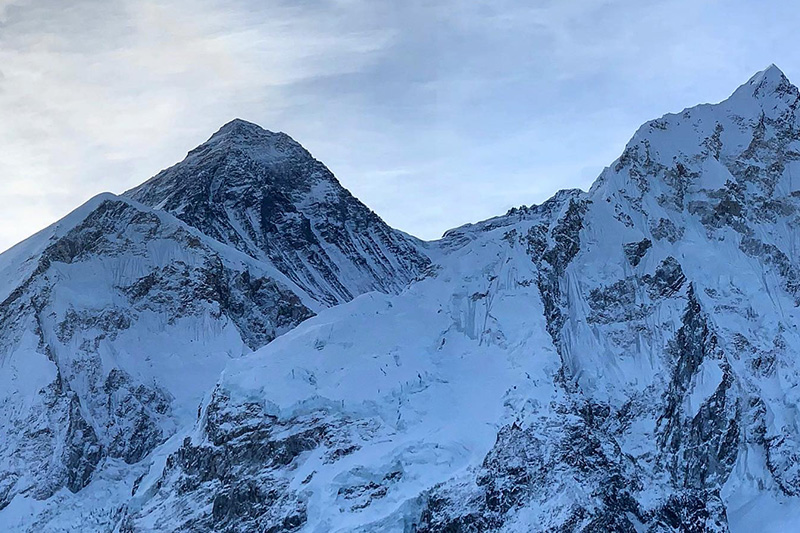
263 193
622 359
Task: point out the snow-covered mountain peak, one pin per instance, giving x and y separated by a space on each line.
238 157
770 83
264 194
239 126
250 140
748 142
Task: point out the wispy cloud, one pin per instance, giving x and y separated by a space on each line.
434 113
99 95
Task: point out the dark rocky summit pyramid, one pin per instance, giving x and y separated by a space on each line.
265 195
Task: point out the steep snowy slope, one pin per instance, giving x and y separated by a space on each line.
354 414
263 193
113 325
618 360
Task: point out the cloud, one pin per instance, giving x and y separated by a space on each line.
434 113
99 95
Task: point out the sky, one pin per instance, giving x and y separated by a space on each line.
434 114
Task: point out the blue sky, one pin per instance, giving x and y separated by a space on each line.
433 113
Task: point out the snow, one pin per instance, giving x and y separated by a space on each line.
428 367
705 384
425 379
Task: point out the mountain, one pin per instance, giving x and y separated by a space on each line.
118 319
622 359
114 323
265 195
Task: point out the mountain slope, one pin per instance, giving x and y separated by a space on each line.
356 422
618 360
119 321
263 193
119 318
621 359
